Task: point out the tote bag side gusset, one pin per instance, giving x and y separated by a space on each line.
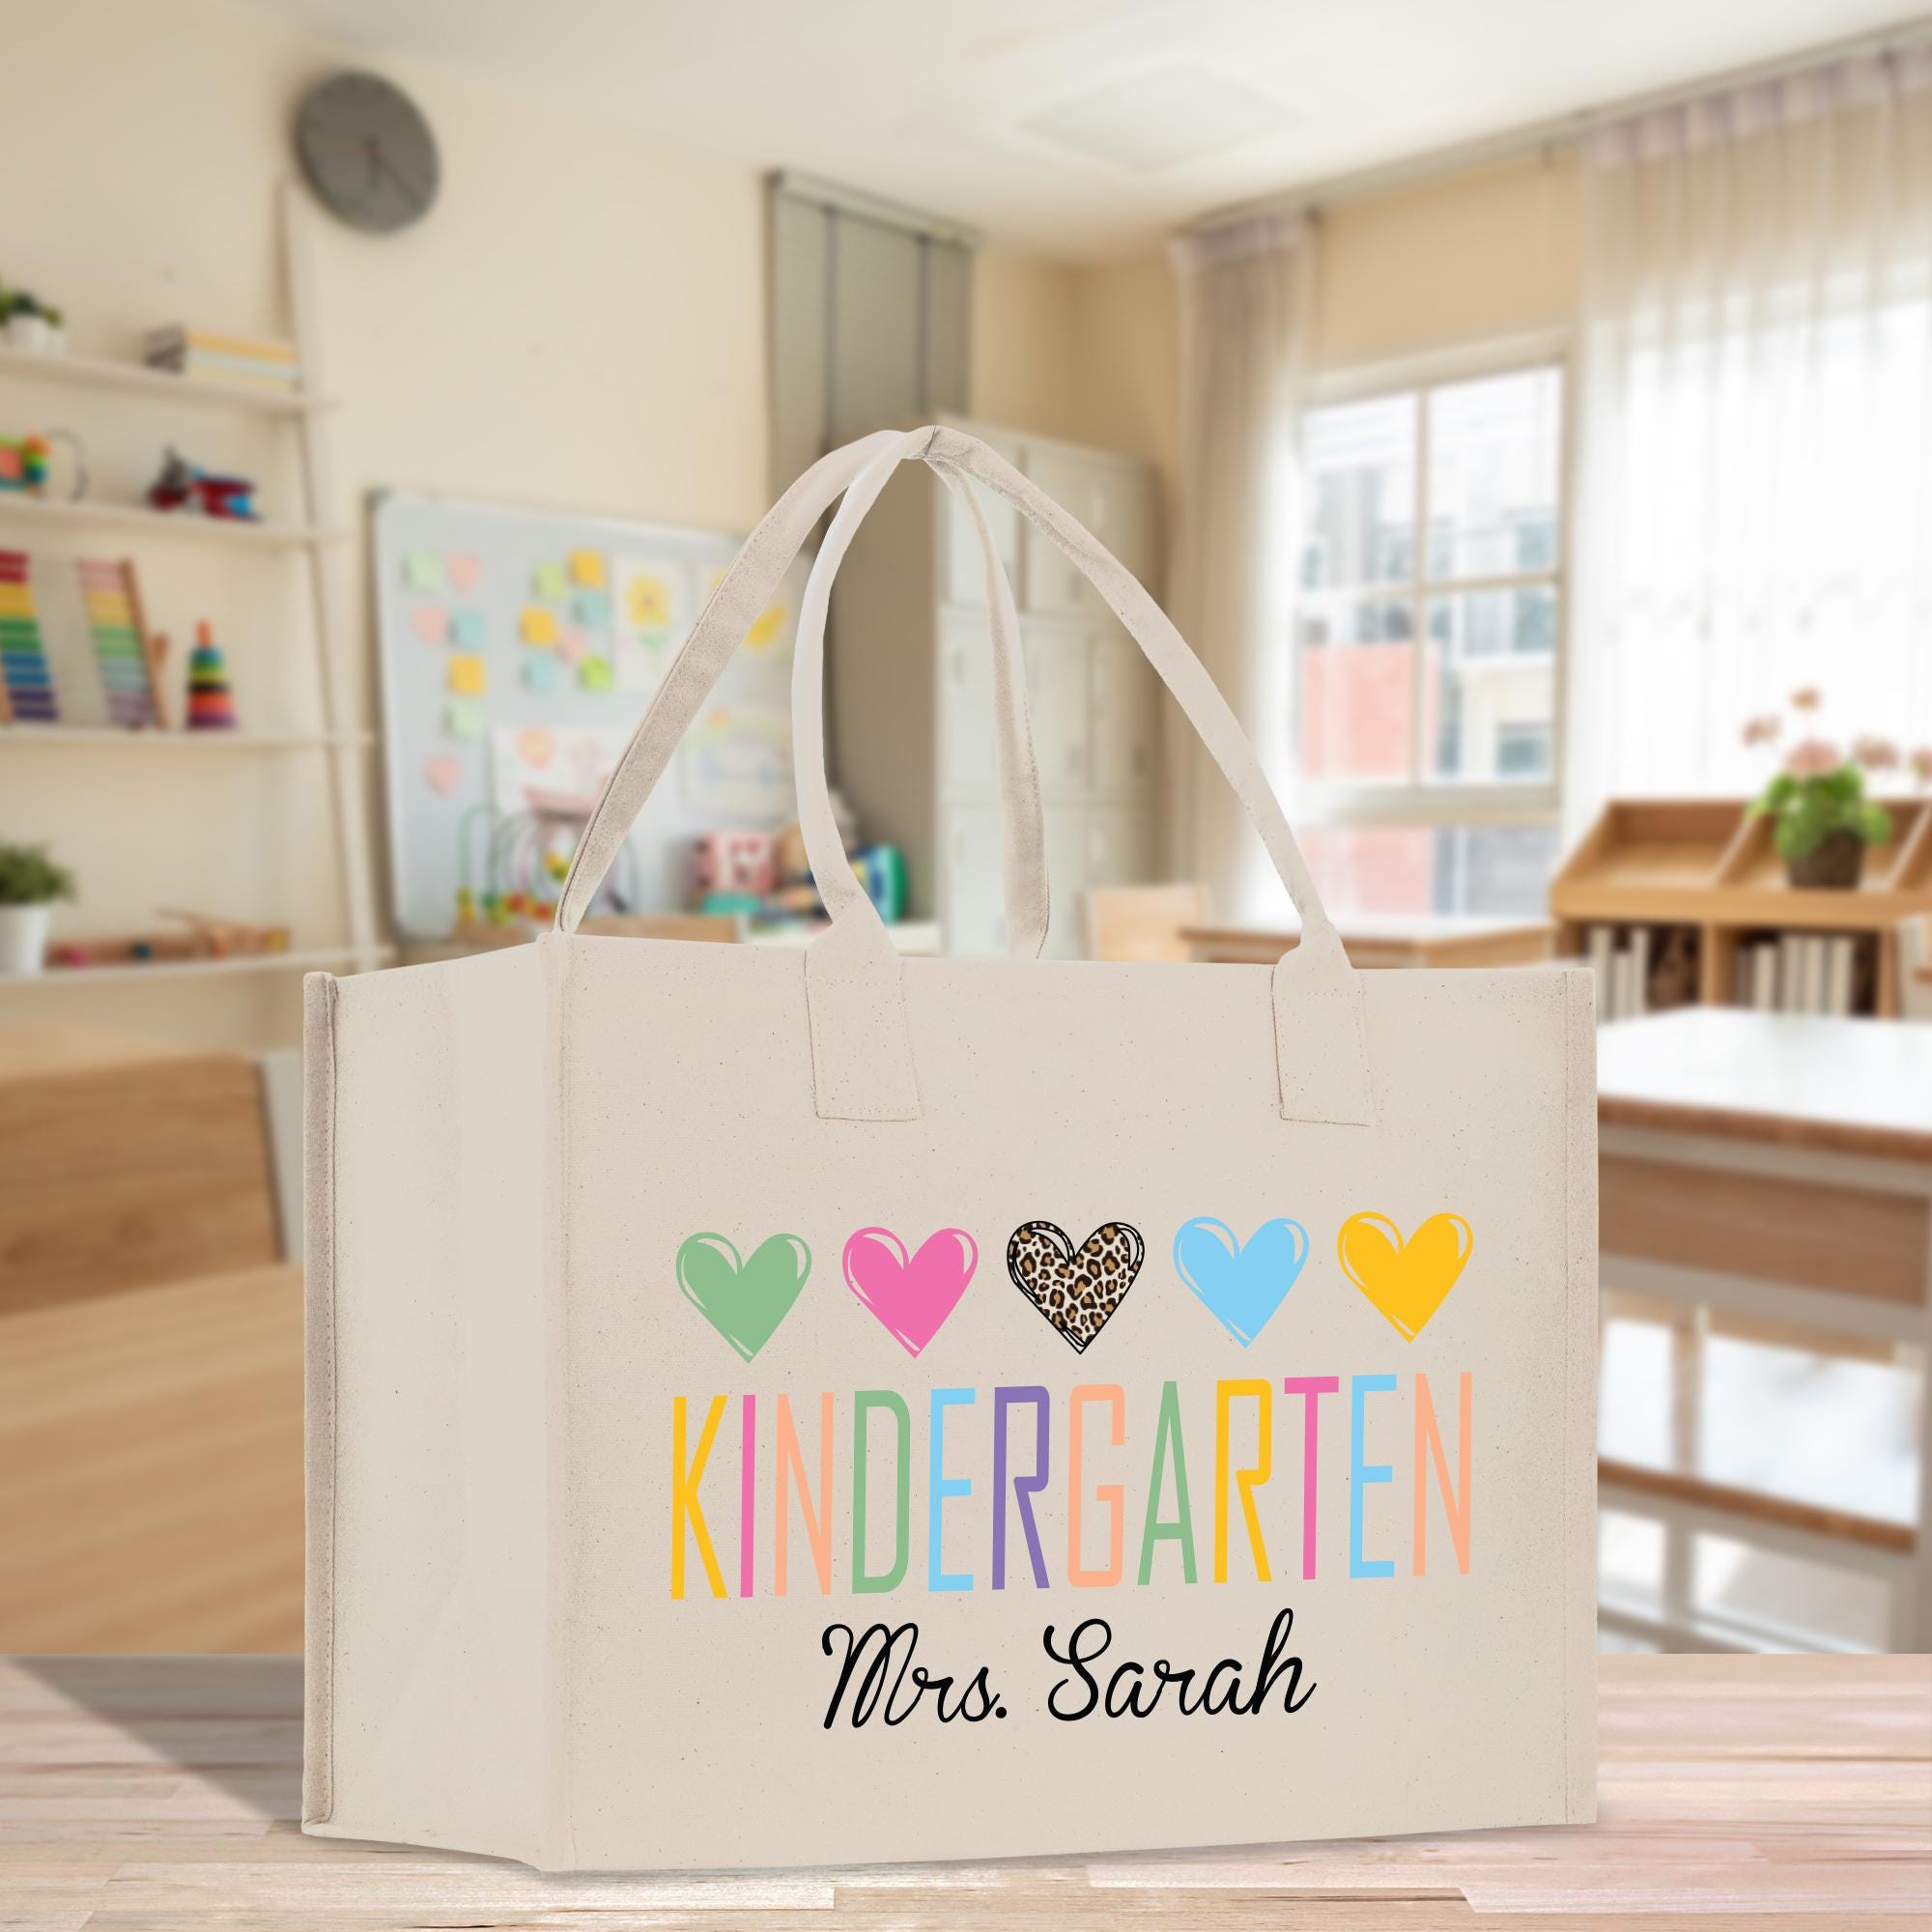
428 1117
1579 1406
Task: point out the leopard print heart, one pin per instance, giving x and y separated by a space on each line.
1076 1289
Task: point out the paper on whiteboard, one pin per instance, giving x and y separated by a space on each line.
650 614
554 770
735 766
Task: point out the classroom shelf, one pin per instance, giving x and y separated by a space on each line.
99 371
109 737
87 515
1702 865
314 959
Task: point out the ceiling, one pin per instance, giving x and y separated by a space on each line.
1077 127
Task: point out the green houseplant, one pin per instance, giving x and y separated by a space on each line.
30 882
1821 819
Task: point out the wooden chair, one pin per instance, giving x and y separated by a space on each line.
1139 924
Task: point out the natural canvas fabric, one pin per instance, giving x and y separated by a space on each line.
777 1408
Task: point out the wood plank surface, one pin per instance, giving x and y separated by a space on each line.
152 1794
121 1165
151 1482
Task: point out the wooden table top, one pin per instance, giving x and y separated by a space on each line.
1796 1080
150 1794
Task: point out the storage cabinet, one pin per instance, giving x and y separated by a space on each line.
912 689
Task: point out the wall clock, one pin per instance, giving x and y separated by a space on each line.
367 152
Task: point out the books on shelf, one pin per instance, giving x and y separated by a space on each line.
1641 969
1804 973
247 362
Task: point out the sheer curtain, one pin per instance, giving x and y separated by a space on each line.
1246 299
1754 500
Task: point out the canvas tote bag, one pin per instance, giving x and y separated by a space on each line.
777 1408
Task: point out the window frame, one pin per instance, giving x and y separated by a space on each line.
1422 801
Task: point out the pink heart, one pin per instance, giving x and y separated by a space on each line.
913 1297
430 621
465 573
443 773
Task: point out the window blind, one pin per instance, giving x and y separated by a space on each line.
870 320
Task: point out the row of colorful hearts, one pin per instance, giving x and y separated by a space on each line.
1077 1289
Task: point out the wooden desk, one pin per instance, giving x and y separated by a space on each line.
1778 1167
163 1793
1388 939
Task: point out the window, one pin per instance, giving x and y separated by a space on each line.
1429 640
870 308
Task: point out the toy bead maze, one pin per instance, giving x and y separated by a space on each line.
26 683
129 659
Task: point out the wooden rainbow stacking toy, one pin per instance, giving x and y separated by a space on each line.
211 704
26 683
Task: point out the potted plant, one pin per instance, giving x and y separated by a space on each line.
30 882
1821 819
27 325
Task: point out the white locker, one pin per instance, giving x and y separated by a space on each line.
911 689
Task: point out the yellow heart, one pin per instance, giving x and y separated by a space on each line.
1410 1280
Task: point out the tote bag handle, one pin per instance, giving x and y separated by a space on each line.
747 585
862 1058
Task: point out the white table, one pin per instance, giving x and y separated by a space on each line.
1780 1167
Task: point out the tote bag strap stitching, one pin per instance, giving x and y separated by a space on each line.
743 590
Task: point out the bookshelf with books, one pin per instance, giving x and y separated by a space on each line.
1674 901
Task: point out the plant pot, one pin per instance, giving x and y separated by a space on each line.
1834 864
23 937
28 331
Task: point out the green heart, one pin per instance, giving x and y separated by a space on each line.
744 1300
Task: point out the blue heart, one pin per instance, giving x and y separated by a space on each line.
1241 1286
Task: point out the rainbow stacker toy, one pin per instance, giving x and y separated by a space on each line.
211 704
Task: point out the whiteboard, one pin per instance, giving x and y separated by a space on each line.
518 650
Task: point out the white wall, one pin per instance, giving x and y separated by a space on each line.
579 322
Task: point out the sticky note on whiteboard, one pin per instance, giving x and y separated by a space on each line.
422 570
468 676
540 673
467 628
548 583
767 629
594 674
538 627
586 569
463 718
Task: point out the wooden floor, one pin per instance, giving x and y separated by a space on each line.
156 1794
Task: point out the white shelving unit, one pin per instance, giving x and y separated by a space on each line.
173 525
100 372
307 959
107 738
310 539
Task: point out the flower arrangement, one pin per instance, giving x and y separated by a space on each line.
1822 820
